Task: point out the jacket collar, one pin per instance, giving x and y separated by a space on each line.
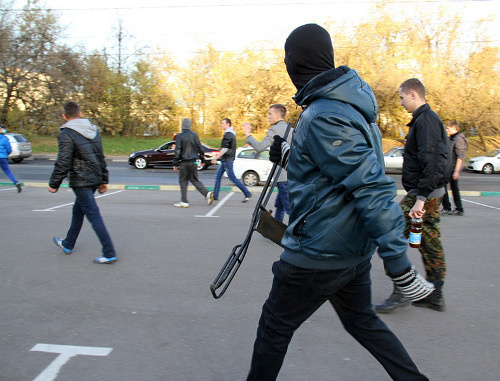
419 111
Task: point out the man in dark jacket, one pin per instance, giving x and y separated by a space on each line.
226 156
81 159
342 211
458 147
187 151
425 169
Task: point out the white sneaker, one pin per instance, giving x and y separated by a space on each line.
210 198
182 205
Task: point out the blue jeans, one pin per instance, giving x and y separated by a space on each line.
227 166
85 205
297 293
282 203
4 164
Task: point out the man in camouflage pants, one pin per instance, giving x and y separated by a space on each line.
425 168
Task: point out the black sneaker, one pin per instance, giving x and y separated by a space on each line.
395 300
247 198
19 188
457 213
445 212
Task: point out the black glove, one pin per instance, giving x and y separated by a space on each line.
278 152
412 284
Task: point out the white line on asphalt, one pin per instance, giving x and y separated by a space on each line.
71 203
8 189
65 353
219 205
478 203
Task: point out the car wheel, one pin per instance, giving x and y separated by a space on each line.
250 178
17 160
140 162
200 165
487 169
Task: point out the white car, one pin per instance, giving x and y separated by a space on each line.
393 158
21 147
488 163
252 167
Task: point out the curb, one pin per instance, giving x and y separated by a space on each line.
255 190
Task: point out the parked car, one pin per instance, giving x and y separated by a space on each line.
164 156
252 167
21 147
393 158
489 163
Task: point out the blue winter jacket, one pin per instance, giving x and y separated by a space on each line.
342 203
5 147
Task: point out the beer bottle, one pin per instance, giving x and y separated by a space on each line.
415 232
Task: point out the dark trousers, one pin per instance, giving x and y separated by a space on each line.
86 206
282 203
297 293
456 197
4 164
189 172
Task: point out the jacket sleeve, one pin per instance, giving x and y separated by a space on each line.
178 150
104 166
8 147
64 159
265 143
344 156
461 147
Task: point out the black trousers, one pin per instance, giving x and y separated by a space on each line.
189 172
456 196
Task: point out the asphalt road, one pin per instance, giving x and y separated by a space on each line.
151 316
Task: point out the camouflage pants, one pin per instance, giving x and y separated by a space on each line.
431 248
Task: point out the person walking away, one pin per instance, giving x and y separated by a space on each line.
342 212
5 150
187 151
226 156
425 171
276 116
81 159
458 144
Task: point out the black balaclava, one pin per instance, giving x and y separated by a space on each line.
308 52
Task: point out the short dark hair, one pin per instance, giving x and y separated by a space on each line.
227 120
280 108
453 123
71 109
415 85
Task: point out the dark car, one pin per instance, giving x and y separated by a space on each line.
163 156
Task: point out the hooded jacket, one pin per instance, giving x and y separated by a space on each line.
342 202
5 147
80 156
187 145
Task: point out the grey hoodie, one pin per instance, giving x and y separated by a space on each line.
82 126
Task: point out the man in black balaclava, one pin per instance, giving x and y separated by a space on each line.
343 210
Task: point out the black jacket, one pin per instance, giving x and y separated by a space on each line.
426 154
80 157
187 148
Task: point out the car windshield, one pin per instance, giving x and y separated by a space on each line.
493 153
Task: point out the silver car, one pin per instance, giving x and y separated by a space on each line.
393 159
488 163
21 147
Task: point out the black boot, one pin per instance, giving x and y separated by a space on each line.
392 302
434 301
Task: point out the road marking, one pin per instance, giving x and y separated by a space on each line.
478 203
218 206
71 203
65 353
8 189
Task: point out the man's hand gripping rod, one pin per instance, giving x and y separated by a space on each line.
233 262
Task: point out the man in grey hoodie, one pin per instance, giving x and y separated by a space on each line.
81 159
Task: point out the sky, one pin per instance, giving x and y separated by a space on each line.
183 27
